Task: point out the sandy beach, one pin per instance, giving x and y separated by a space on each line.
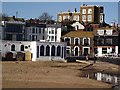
46 74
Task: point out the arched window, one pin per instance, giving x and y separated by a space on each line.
42 50
76 51
47 50
53 51
13 47
22 48
58 50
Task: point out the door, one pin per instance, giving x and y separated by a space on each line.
85 51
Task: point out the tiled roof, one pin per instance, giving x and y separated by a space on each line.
79 34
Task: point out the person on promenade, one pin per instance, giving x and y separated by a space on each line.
95 58
86 57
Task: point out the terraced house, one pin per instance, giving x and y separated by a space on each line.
79 41
106 41
14 29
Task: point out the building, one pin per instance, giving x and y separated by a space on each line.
35 31
45 51
14 29
92 13
73 16
43 32
87 13
79 43
106 42
53 32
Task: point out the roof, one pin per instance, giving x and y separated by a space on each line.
79 34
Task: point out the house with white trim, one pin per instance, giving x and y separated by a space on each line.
106 42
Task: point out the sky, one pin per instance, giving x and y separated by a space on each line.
29 10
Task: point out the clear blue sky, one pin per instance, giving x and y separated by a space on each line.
29 10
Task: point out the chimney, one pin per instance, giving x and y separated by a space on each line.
14 17
75 10
113 24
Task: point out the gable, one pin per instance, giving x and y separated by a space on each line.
77 26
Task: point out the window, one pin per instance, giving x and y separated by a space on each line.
33 30
55 31
22 48
68 50
43 38
100 32
52 31
100 41
89 11
76 41
13 48
52 39
86 41
49 32
76 51
109 32
104 50
60 18
47 50
53 51
58 50
39 30
55 38
37 51
83 17
76 18
101 18
36 30
64 17
89 17
42 50
113 50
33 37
83 11
109 41
67 40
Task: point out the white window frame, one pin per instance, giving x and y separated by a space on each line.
88 40
88 50
78 40
89 17
68 49
69 38
83 11
78 50
90 11
59 18
84 18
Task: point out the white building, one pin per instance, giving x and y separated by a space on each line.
40 50
43 32
53 32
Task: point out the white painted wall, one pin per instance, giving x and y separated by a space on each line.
32 48
99 51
